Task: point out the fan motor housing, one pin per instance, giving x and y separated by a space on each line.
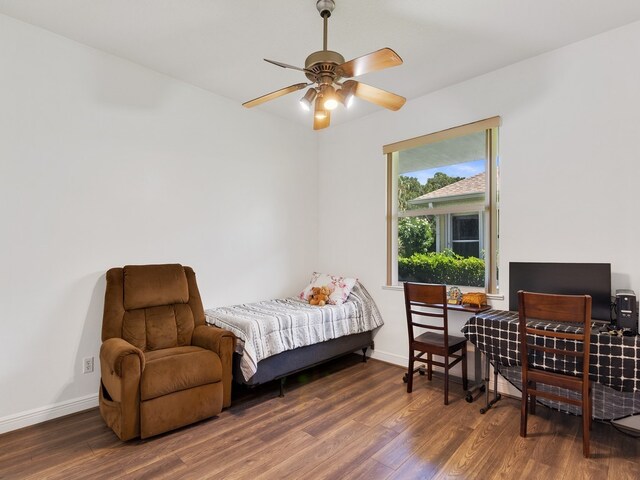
323 62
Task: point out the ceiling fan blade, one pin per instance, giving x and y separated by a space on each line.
320 123
276 94
284 65
378 60
375 95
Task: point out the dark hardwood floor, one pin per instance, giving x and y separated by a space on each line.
345 420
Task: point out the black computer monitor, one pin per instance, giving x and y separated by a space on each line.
566 279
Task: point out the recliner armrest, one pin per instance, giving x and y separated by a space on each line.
222 342
213 338
114 350
121 366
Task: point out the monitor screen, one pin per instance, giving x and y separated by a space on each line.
566 279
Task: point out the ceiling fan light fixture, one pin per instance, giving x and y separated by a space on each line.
330 98
345 96
330 103
308 99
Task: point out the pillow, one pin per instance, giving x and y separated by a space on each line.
340 287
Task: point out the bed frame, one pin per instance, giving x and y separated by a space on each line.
278 367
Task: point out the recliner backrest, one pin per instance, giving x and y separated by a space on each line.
152 306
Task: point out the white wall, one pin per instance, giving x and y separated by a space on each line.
105 163
569 168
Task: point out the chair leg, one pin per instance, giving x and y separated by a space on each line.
446 380
410 373
532 400
465 383
590 410
586 427
429 366
587 419
524 405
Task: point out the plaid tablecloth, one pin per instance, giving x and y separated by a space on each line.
614 361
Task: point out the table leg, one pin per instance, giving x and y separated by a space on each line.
496 395
475 391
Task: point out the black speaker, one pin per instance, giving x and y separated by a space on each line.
627 310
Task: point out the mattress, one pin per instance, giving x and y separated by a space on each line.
270 327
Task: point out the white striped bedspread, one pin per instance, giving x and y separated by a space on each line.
274 326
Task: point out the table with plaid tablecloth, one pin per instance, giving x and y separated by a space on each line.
614 363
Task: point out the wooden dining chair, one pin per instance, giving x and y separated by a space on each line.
426 307
565 346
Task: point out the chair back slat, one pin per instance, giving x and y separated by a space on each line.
426 293
427 326
556 308
426 314
555 351
551 333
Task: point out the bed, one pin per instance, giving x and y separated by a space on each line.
277 338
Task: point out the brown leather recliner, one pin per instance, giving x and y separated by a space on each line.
162 367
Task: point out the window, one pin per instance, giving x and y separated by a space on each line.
442 207
465 235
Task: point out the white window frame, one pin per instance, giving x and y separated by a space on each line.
489 210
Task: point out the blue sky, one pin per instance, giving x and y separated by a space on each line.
467 169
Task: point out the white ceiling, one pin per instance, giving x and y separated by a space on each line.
219 45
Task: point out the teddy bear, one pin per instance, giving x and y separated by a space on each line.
319 296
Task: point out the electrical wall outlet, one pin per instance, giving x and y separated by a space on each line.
87 365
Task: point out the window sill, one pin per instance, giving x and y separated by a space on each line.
490 296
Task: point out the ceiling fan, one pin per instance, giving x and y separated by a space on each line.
327 69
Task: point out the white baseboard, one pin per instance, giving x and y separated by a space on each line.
49 412
389 358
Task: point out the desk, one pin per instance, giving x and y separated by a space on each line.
614 362
467 308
